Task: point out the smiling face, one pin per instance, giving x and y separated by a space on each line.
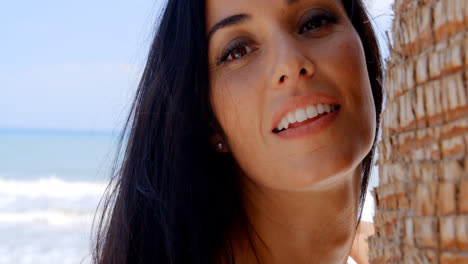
298 64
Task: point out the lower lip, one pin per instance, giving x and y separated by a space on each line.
311 128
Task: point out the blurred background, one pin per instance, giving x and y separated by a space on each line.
68 73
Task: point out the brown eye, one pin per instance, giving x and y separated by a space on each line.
317 21
311 25
236 50
239 53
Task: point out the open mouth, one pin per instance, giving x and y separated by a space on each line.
299 119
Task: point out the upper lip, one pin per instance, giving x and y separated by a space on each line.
301 101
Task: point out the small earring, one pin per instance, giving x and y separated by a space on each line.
220 146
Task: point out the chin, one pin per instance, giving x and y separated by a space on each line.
336 162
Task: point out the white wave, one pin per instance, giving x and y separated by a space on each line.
47 220
30 243
49 201
57 218
37 255
50 187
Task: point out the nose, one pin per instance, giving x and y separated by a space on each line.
291 63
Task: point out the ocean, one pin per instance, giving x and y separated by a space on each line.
50 185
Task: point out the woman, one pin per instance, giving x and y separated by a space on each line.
251 138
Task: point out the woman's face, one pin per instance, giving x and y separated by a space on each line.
279 63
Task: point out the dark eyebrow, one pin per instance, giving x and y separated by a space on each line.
229 21
237 19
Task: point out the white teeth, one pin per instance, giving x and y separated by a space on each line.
311 111
300 115
279 127
303 114
291 118
320 108
284 123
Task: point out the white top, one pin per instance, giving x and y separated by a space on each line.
367 216
368 209
351 261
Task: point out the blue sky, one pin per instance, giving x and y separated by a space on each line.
74 65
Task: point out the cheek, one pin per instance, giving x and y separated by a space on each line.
344 64
350 61
360 91
237 102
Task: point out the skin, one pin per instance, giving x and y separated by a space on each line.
360 249
301 195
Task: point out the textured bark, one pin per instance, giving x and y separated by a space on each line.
421 213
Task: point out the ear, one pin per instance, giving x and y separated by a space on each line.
217 141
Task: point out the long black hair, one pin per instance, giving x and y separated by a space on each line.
173 197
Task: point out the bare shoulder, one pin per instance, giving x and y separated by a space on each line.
365 229
360 249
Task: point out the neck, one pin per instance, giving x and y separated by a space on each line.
308 226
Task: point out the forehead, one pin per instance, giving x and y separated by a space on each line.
217 10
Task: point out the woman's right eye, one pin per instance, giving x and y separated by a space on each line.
239 53
234 52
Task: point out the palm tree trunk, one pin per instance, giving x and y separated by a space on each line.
421 213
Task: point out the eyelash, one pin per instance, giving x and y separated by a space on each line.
231 48
320 18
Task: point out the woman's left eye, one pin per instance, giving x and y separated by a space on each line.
317 21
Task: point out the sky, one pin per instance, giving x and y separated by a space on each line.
75 65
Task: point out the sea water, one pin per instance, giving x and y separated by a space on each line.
50 186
